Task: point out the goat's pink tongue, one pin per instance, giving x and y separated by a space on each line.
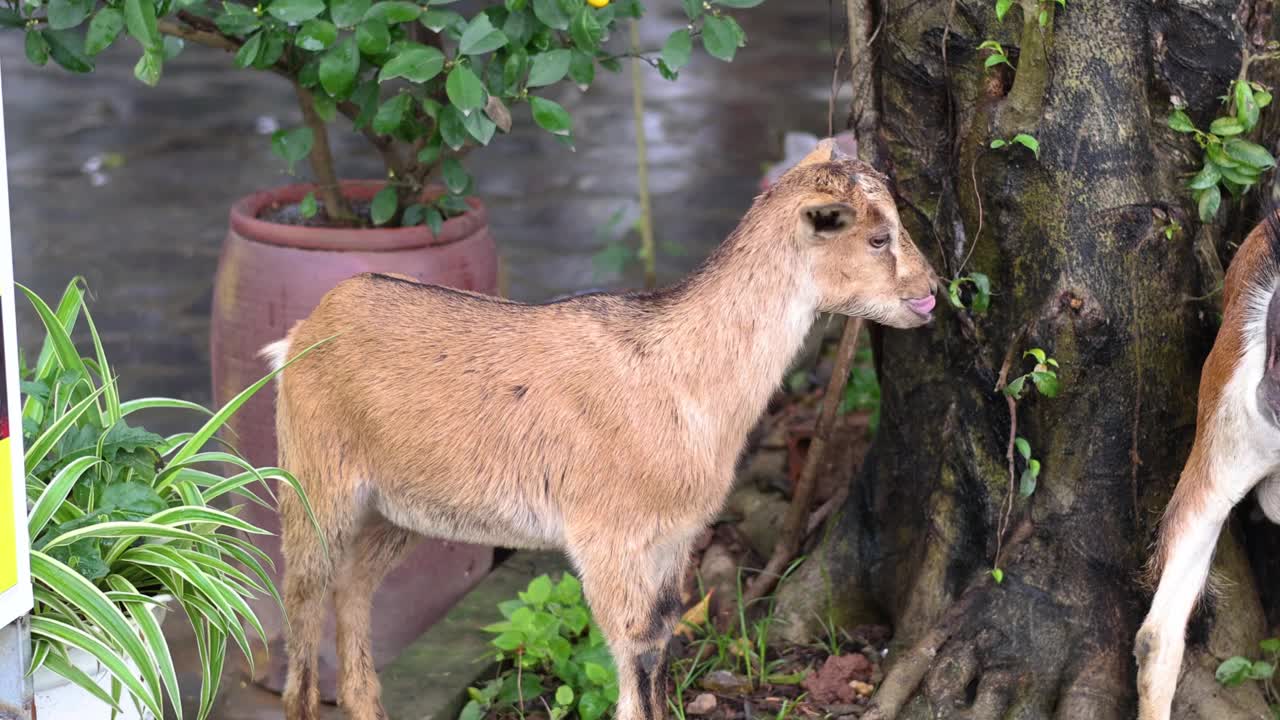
923 305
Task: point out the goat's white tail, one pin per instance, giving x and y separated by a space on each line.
276 353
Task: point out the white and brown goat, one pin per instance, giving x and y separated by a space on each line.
606 425
1237 447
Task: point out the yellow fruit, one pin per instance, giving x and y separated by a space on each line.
597 3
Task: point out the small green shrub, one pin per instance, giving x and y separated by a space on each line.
550 652
1237 670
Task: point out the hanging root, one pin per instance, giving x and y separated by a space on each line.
797 526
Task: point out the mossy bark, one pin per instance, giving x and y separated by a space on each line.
1074 243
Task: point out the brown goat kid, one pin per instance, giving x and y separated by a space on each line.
1237 448
606 425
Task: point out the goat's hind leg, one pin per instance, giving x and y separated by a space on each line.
308 571
375 551
635 596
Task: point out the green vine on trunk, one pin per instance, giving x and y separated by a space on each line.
1044 378
1230 161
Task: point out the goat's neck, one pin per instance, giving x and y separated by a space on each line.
732 332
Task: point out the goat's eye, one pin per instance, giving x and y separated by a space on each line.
879 241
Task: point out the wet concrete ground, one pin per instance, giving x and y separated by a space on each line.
145 232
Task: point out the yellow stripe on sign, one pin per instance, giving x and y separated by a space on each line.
8 541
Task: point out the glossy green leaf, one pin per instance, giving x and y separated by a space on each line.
1046 383
103 30
455 177
1024 447
1207 177
66 47
719 39
309 207
1246 106
582 68
1240 174
1014 388
63 14
36 48
678 49
237 20
292 145
338 68
479 126
453 130
1208 202
464 89
384 206
248 53
416 63
140 18
1248 153
392 113
550 116
1028 142
549 67
551 14
1226 126
316 35
295 11
149 66
394 12
481 37
1002 8
438 20
373 37
1233 671
1179 121
1027 483
347 13
586 30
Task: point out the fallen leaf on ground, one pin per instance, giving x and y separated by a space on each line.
694 616
726 683
701 705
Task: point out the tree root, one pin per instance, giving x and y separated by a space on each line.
909 669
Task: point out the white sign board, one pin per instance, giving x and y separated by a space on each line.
15 573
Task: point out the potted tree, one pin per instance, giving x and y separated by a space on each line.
123 529
424 84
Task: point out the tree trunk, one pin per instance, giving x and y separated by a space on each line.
1074 243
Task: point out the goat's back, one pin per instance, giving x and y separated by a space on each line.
434 398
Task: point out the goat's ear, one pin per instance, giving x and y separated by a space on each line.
829 219
820 154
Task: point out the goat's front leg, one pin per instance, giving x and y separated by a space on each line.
634 593
1188 534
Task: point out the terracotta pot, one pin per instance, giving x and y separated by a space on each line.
269 277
